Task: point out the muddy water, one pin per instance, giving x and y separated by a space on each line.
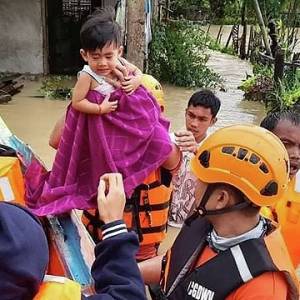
31 118
233 110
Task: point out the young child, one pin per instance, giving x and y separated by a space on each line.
106 70
112 125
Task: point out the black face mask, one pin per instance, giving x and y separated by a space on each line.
201 211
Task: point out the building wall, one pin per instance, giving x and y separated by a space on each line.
21 36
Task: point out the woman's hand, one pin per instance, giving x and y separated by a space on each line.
111 197
131 83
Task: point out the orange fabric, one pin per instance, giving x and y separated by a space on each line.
55 266
11 180
158 195
288 213
146 252
268 286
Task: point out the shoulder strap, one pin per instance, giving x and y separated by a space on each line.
89 71
186 248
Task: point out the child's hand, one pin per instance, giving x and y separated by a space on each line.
131 83
108 106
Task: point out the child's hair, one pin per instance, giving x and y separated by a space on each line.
271 121
207 99
100 29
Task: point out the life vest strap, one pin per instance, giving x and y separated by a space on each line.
153 229
152 207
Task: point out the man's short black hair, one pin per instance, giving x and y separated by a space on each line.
99 30
272 119
207 99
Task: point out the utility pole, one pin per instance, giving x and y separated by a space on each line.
136 32
262 27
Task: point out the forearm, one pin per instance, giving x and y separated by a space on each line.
57 132
151 269
115 271
86 106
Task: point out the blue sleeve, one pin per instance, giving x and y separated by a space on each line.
115 270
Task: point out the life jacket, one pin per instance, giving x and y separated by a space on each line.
11 180
59 288
146 212
287 213
265 254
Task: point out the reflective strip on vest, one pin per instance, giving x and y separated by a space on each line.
268 254
241 263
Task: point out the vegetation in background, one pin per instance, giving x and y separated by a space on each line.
178 54
56 87
275 95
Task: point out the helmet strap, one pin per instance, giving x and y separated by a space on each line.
201 211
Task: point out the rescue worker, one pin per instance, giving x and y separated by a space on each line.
146 212
227 250
24 254
286 125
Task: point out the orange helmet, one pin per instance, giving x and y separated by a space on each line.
153 86
248 157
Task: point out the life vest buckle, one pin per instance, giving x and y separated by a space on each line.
147 205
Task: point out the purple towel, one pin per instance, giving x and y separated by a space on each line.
133 140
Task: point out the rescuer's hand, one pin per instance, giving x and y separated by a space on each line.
185 140
111 197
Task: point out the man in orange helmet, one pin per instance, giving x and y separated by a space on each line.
286 125
227 250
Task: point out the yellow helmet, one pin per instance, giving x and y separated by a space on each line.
153 86
248 157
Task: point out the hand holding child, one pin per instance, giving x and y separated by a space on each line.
131 83
185 140
108 106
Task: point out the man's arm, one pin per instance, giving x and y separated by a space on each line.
151 269
115 270
184 141
57 131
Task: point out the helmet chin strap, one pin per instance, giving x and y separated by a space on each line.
201 211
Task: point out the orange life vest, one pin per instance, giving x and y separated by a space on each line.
59 288
287 214
11 180
180 267
12 190
146 212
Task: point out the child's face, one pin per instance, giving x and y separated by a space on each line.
103 61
